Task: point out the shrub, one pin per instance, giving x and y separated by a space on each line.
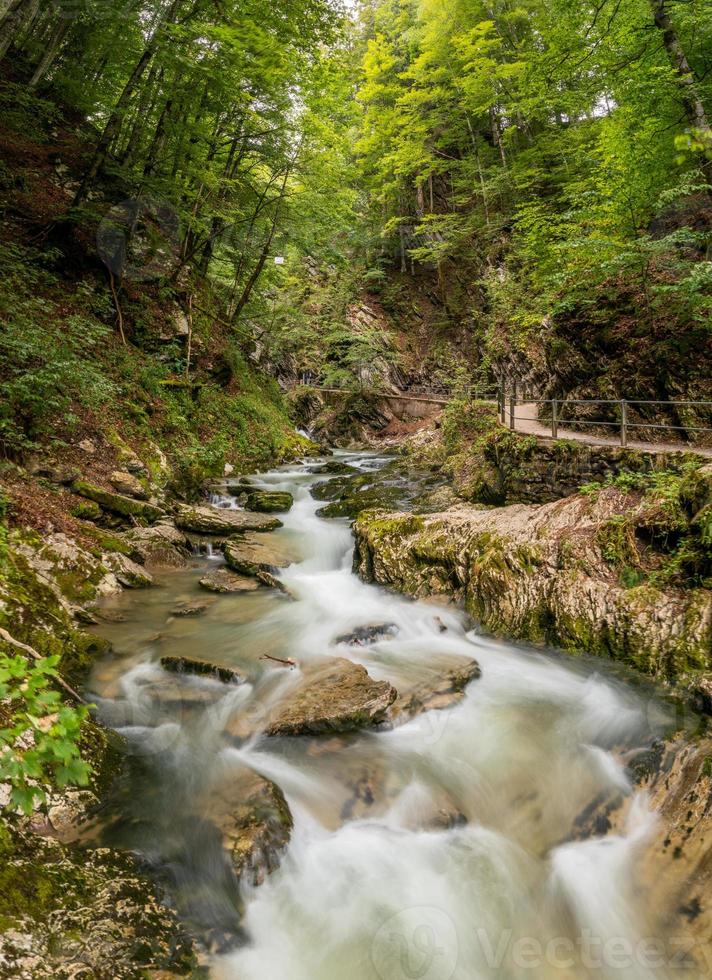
38 734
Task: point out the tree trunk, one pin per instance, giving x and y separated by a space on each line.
19 12
257 271
114 122
694 108
51 52
144 111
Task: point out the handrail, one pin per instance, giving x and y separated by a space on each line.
509 401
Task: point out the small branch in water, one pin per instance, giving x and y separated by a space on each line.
285 663
11 641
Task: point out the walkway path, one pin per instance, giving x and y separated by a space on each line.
527 422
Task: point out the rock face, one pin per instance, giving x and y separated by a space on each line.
337 696
540 573
51 929
269 501
673 873
116 503
211 520
250 555
224 581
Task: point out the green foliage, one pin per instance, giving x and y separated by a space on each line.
541 147
47 364
672 514
39 734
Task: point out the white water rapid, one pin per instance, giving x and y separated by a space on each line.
447 847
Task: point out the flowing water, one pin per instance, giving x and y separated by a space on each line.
446 847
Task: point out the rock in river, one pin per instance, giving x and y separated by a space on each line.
212 520
443 690
335 696
163 544
269 501
224 581
201 668
252 555
251 814
366 635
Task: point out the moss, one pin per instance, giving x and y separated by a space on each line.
86 510
106 542
115 502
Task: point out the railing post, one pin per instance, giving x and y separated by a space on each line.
555 419
624 423
502 401
512 404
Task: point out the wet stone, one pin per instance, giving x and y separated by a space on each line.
366 635
444 690
334 467
201 668
220 521
189 609
336 696
226 582
269 501
253 817
252 555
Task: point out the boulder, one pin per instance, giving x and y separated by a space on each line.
366 635
128 573
224 581
128 485
334 467
131 462
253 817
56 473
269 501
189 609
445 688
334 696
86 510
162 545
117 503
250 554
202 668
219 521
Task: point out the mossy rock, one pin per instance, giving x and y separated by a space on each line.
269 501
116 503
86 510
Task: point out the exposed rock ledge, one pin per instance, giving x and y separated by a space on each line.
538 573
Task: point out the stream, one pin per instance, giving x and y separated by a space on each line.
449 846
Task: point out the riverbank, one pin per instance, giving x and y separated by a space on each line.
601 571
218 787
